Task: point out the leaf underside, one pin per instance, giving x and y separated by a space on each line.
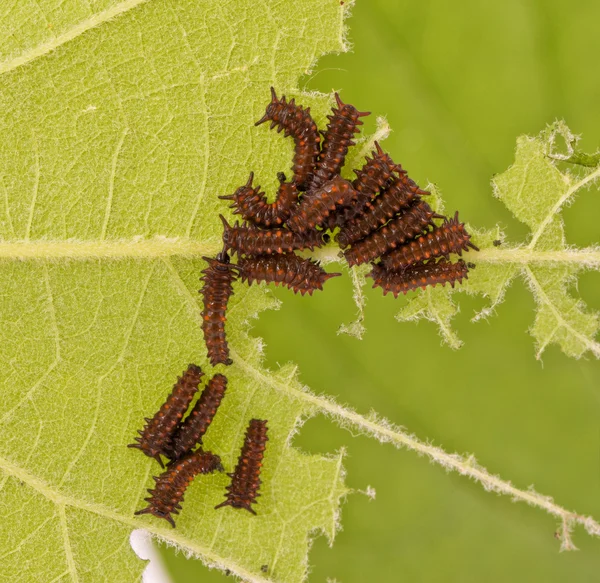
120 128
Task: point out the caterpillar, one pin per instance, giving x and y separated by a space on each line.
298 123
450 237
217 288
371 179
400 229
343 124
419 276
252 241
395 197
156 435
253 206
318 204
289 270
245 480
167 496
190 431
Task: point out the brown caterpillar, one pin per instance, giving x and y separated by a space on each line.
253 206
245 480
450 237
343 124
419 276
318 204
155 437
167 496
249 240
289 270
400 229
191 430
370 180
217 288
297 122
396 196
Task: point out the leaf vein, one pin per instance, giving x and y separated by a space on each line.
117 361
541 295
67 543
57 357
206 147
36 185
164 533
554 210
111 183
47 47
384 431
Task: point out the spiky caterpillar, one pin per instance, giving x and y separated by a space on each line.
400 229
399 194
419 276
254 208
216 291
450 237
154 439
298 123
190 432
245 480
370 180
343 124
166 497
289 270
249 240
317 205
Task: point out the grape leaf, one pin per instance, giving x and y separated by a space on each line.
121 124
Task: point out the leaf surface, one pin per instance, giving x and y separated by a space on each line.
120 128
121 123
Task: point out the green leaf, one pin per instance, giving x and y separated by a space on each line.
535 189
436 306
571 153
120 128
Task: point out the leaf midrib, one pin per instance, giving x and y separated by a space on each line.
163 247
384 431
135 248
518 254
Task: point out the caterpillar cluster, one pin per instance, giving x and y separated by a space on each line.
379 217
180 440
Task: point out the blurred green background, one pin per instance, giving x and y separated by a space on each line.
458 83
